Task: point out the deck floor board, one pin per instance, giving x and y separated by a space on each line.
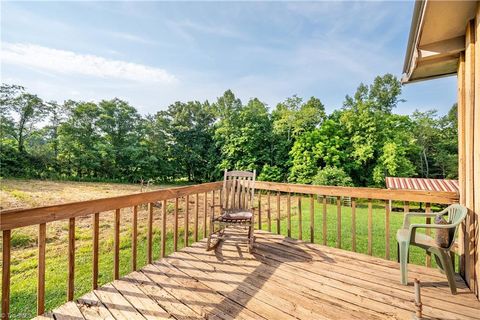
283 279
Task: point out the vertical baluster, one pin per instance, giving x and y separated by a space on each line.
289 216
175 227
406 206
150 232
312 219
259 210
269 214
278 212
324 222
42 237
370 226
339 222
95 238
116 245
354 224
205 214
195 230
164 227
134 237
300 227
6 273
187 200
428 258
387 229
71 259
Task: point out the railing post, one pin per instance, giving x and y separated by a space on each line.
42 237
339 222
428 257
150 232
269 215
195 230
259 210
300 227
95 238
324 222
116 245
134 237
71 259
370 226
278 212
164 227
175 227
205 214
354 225
387 229
289 216
312 219
185 218
6 274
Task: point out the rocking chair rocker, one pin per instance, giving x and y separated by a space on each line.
236 207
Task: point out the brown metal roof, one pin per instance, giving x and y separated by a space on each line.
422 184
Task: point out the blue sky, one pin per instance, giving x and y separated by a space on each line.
155 53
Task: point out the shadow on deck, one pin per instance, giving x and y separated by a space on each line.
283 279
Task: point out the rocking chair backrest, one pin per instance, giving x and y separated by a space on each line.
238 190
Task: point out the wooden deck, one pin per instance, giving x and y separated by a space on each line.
283 279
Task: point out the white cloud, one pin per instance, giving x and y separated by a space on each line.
69 62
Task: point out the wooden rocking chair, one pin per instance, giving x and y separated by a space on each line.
236 207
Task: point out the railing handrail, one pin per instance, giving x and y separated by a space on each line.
442 197
16 218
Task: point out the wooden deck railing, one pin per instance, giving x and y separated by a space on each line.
12 219
322 192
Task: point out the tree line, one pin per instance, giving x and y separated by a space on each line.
296 141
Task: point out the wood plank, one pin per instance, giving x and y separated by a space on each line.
299 208
68 311
16 218
150 232
312 219
476 156
357 192
92 308
95 240
164 228
134 237
71 259
175 227
116 245
461 153
116 303
339 223
354 224
387 230
167 301
6 255
289 216
42 240
370 219
137 298
186 222
324 220
195 229
469 245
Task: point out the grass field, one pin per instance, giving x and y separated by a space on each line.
25 193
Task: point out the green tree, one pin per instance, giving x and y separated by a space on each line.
332 176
